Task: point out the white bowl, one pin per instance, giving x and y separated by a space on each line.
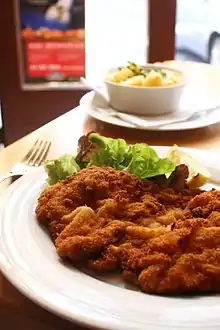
151 101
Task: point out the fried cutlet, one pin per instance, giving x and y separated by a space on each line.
164 240
88 187
185 259
114 194
177 259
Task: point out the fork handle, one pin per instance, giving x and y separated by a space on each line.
6 176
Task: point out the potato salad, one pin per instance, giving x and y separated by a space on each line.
134 75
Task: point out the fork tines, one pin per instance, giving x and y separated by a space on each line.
37 154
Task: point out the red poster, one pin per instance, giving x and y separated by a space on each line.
53 40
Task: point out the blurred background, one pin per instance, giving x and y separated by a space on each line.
198 30
94 35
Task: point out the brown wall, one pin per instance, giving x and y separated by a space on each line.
162 20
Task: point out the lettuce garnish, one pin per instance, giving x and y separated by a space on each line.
61 168
138 159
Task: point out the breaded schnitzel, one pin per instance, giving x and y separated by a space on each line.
181 258
113 195
88 187
109 219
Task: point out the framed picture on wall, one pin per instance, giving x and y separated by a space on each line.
52 40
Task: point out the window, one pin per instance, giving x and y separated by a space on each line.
116 32
198 31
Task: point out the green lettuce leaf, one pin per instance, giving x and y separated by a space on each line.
143 159
139 159
61 168
145 162
115 153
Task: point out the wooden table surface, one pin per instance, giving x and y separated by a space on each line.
18 312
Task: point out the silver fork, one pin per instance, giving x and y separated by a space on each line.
33 158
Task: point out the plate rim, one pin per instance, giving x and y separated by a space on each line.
86 101
6 266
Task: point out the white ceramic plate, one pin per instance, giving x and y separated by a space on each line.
193 100
29 260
